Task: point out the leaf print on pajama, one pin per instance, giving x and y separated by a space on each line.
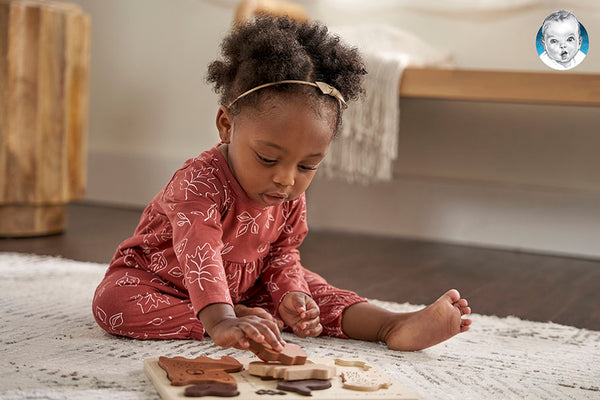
202 266
201 241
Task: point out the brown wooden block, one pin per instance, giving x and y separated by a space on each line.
184 371
211 389
304 387
291 354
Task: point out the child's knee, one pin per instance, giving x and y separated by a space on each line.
142 312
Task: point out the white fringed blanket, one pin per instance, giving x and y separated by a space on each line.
368 142
52 349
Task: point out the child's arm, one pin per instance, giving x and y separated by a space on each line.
300 312
283 272
227 330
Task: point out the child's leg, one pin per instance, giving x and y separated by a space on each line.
408 331
135 303
332 303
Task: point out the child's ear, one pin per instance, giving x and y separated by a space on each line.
224 124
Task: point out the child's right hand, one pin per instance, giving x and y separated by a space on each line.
228 330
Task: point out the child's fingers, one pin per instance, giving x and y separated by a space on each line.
312 314
310 324
299 303
313 331
265 315
312 309
243 311
280 323
268 333
250 332
243 343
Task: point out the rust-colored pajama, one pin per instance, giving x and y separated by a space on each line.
202 241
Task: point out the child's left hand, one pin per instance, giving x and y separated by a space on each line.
301 313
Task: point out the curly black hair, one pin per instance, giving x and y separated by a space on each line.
271 49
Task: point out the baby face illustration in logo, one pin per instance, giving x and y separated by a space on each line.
562 39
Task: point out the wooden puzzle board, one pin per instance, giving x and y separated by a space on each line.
249 384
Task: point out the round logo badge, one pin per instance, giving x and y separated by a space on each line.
562 42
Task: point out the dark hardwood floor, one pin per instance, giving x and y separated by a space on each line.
496 282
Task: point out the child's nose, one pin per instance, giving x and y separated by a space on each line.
285 176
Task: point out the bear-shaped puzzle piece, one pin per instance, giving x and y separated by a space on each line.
185 371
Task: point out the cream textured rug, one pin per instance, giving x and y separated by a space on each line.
52 349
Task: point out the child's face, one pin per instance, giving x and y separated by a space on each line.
274 150
562 41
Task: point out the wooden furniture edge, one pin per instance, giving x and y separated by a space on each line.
501 86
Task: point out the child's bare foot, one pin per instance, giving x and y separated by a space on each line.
429 326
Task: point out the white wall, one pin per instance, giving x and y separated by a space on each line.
482 34
150 107
516 176
502 175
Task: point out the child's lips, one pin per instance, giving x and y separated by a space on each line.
274 199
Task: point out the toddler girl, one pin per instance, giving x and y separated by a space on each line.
215 251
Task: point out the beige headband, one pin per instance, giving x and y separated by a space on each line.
324 87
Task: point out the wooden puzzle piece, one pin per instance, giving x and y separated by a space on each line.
248 385
184 371
291 354
304 387
364 381
270 392
211 389
352 363
291 372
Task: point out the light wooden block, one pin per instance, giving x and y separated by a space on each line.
291 372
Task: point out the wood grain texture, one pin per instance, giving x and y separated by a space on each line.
291 354
504 86
254 388
200 370
247 9
44 75
291 372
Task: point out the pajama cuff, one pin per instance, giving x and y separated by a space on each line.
332 323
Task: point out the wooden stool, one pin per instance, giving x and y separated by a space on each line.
248 9
44 88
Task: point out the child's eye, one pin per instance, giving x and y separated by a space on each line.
307 168
553 41
265 160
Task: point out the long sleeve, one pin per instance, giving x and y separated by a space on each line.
282 273
192 202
